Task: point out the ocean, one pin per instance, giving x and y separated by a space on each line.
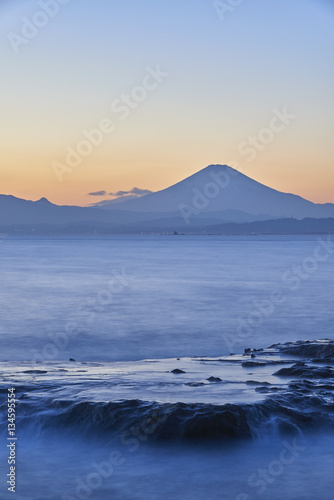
127 357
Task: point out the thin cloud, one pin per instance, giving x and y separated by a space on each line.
135 191
126 195
98 193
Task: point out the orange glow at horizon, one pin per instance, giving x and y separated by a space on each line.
185 98
35 183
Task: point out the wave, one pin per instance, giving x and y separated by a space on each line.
304 403
297 412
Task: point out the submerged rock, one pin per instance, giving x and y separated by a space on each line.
194 384
251 364
265 389
35 371
255 382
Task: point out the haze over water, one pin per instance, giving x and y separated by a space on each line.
138 297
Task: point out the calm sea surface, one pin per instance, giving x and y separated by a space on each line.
138 297
80 425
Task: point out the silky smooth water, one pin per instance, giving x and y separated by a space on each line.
127 298
60 470
137 297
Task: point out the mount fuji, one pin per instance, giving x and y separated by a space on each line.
218 188
216 195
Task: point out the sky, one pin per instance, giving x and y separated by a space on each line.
104 96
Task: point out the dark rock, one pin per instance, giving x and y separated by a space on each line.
304 371
35 371
251 364
228 422
323 360
194 384
177 370
214 379
265 390
308 349
254 382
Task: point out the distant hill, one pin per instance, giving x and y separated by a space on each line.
279 226
18 211
163 226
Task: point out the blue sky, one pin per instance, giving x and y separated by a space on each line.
225 78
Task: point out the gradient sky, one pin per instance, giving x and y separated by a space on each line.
225 78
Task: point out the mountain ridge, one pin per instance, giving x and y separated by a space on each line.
215 194
234 190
